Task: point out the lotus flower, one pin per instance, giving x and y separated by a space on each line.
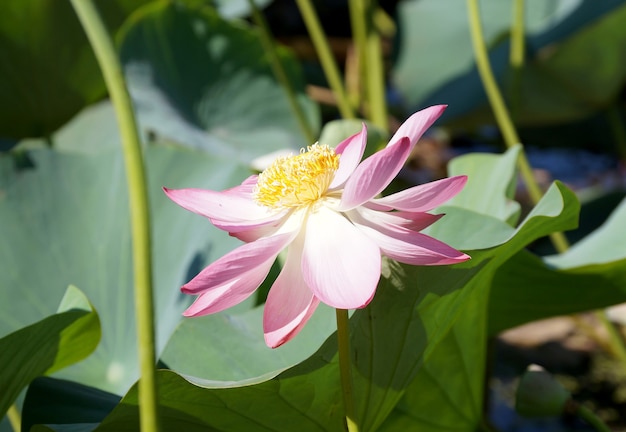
322 207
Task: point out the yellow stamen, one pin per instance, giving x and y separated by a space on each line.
299 180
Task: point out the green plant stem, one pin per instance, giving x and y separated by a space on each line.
517 35
593 420
359 38
343 341
15 419
326 57
502 115
517 56
138 201
375 78
279 71
511 138
369 51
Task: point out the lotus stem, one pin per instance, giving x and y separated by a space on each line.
517 35
325 55
370 59
138 202
502 116
345 369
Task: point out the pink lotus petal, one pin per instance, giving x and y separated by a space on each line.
351 150
410 247
340 264
257 256
223 206
415 126
424 197
415 221
290 303
245 189
248 231
374 174
230 293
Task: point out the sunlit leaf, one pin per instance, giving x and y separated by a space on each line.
48 345
454 374
590 275
490 184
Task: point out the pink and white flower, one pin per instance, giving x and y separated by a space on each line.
322 207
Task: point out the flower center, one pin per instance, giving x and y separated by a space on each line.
299 180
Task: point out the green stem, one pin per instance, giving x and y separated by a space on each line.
369 49
343 341
592 419
15 419
502 115
517 56
511 138
326 57
375 78
517 35
138 201
359 38
279 70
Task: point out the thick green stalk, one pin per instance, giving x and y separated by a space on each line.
511 138
343 341
15 419
517 56
326 57
375 78
369 49
359 39
279 71
139 209
517 35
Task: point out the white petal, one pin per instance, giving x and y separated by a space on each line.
340 264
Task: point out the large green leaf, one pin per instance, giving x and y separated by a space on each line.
51 344
66 220
454 374
229 349
206 82
446 394
491 182
527 289
47 69
590 275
